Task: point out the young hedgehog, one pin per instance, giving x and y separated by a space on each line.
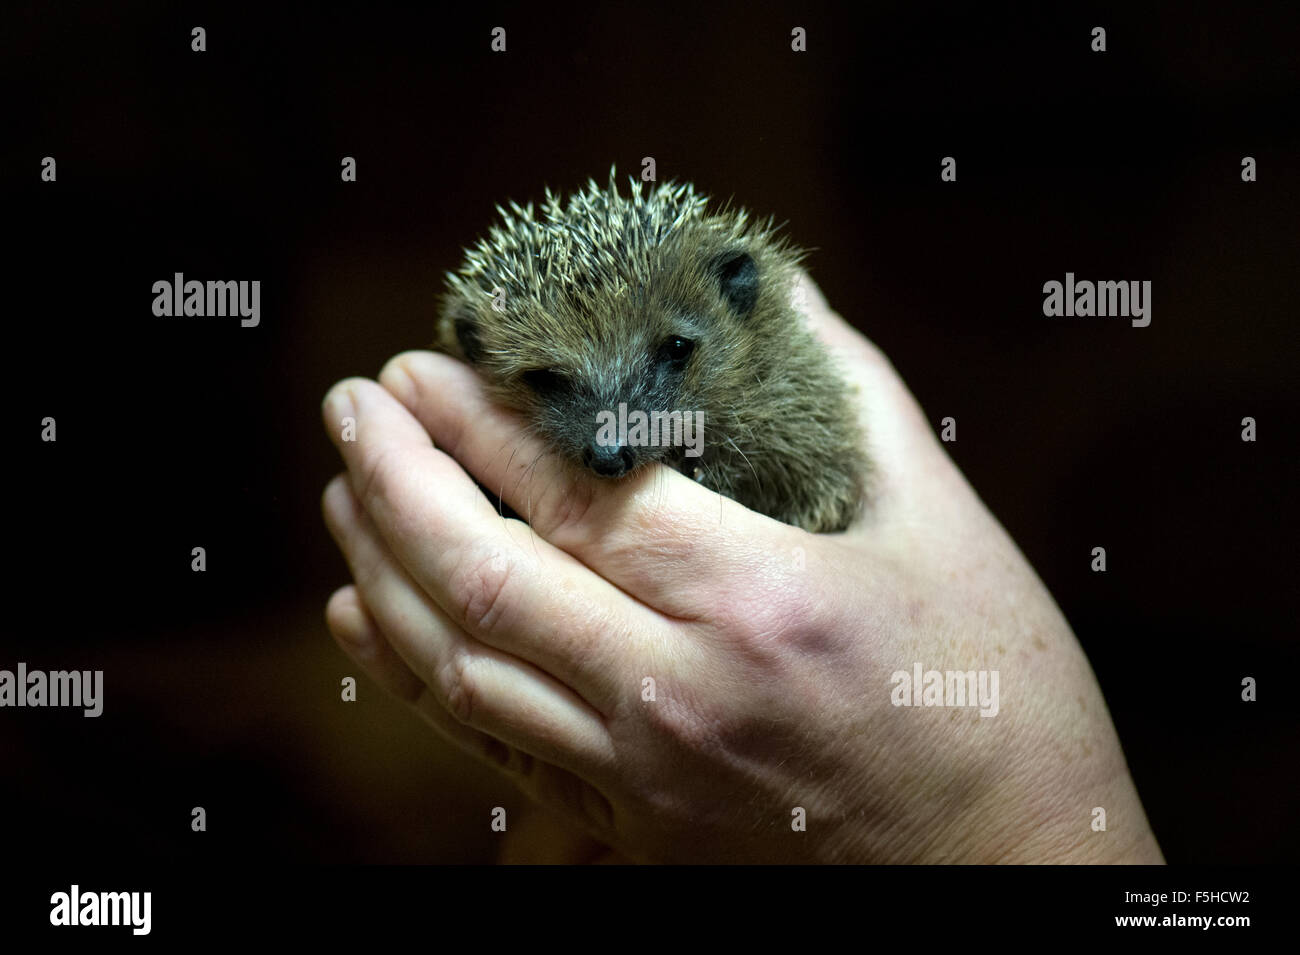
651 302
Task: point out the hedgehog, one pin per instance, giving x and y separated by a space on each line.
642 329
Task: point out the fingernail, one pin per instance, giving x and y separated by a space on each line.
398 381
339 404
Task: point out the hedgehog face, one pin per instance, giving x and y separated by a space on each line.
623 380
621 407
626 330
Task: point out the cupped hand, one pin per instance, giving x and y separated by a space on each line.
687 680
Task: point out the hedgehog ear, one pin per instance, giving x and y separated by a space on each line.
466 329
738 277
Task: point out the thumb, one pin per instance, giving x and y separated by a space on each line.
908 461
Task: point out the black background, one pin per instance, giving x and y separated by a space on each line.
222 688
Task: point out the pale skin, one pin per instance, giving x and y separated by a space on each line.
771 650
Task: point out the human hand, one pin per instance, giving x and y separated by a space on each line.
771 650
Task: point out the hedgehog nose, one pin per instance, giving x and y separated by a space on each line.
608 460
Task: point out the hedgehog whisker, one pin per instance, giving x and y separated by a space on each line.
527 474
501 490
660 491
532 470
524 472
757 479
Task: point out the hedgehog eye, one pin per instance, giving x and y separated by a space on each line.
545 382
675 350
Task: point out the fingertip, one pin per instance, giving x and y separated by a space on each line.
334 500
345 620
832 328
359 637
418 378
398 375
811 301
340 402
808 295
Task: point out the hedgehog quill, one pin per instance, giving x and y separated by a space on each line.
651 309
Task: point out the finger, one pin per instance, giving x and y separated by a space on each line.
493 578
656 534
911 472
843 340
477 685
360 637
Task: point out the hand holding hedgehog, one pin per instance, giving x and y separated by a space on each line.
769 649
649 303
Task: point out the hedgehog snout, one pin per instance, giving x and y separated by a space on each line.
605 450
608 460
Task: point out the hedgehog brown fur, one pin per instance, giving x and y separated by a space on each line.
652 301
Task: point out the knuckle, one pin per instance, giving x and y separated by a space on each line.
377 475
388 486
457 685
681 721
480 587
765 603
566 504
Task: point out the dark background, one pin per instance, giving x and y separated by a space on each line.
222 688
